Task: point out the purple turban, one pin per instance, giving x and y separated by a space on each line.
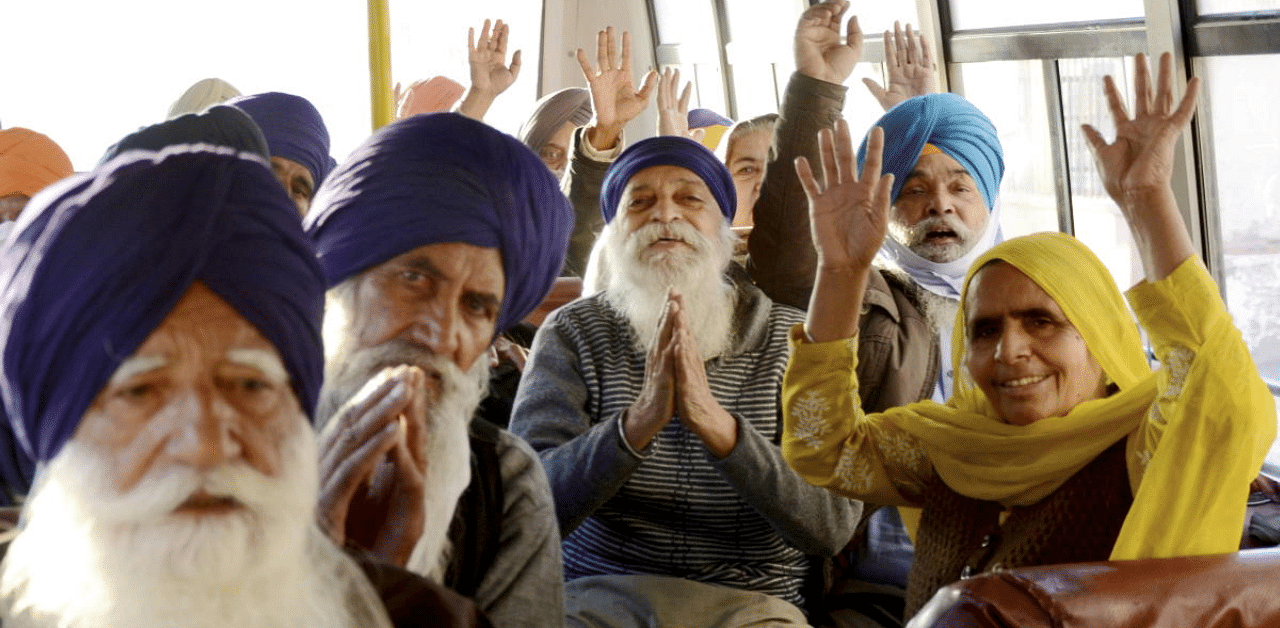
668 150
954 126
220 126
98 261
293 128
438 178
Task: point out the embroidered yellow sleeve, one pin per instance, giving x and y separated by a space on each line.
1213 419
831 443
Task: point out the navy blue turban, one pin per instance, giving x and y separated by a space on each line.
98 261
293 128
439 178
220 125
950 123
668 150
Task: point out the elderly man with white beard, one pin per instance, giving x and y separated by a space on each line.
161 361
437 234
654 406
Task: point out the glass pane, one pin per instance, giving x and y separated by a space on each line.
1011 93
428 39
877 17
136 67
1098 222
1246 148
760 38
691 25
1209 7
972 14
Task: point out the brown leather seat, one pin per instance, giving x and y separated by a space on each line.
1240 590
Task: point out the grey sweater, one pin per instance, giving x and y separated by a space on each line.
745 521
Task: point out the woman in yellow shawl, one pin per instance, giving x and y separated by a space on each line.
1060 444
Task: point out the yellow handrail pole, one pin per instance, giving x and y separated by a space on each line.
380 63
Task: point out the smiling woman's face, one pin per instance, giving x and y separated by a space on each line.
1023 353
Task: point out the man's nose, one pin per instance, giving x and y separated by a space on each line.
940 203
436 328
203 431
666 210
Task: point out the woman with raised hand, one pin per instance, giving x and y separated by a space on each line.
1060 444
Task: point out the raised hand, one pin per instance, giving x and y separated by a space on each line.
848 213
655 405
819 51
1137 168
910 67
1141 157
613 94
673 110
372 469
490 74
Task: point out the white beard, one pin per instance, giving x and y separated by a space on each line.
448 473
637 280
89 556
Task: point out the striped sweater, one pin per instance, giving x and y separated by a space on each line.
746 521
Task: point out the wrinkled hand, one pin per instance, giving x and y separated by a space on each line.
487 58
655 405
613 94
909 65
1141 157
694 403
503 350
848 213
819 52
673 110
371 466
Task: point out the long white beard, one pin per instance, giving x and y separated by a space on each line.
448 473
89 556
638 281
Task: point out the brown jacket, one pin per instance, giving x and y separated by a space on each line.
898 357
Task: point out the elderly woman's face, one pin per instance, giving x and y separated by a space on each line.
1023 353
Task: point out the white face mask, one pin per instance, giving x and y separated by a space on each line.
6 228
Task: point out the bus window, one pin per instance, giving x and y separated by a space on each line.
1210 7
1012 94
975 14
1245 152
430 39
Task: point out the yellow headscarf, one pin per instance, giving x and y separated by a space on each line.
980 456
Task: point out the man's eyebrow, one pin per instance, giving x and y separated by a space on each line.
490 300
424 265
136 366
261 359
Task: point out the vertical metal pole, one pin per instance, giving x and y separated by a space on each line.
1058 141
380 63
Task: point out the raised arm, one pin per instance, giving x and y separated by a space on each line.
910 67
1137 166
673 106
782 257
848 217
490 74
613 94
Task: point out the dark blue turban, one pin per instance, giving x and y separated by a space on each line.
668 150
98 261
950 123
439 178
293 128
220 126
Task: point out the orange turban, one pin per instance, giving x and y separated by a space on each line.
30 162
433 95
